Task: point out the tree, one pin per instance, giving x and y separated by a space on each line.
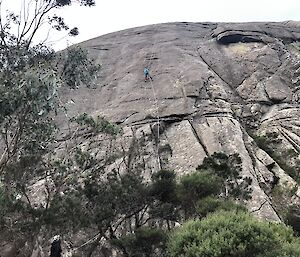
195 186
212 204
164 185
234 234
229 168
145 242
21 29
165 204
30 79
133 214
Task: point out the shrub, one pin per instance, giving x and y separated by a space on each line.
164 186
198 185
229 169
234 234
285 158
143 243
211 204
195 186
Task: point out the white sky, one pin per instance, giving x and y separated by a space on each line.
113 15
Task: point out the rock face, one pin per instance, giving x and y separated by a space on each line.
212 85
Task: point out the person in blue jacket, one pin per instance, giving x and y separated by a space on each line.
147 74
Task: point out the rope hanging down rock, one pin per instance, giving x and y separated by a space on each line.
155 100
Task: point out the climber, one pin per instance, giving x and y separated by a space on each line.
147 74
55 247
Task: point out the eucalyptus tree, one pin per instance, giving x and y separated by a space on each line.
31 75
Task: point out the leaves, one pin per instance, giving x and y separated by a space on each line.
30 79
235 234
97 125
144 242
74 32
229 168
69 2
58 23
78 69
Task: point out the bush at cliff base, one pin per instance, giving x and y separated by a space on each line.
234 234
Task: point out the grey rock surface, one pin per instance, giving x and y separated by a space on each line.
212 84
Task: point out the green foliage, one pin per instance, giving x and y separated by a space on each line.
97 125
121 198
282 199
165 213
30 77
229 168
198 193
163 192
108 201
21 28
78 68
66 212
28 95
29 101
198 185
270 143
234 234
85 160
164 186
266 141
288 160
115 195
3 205
143 243
292 217
211 204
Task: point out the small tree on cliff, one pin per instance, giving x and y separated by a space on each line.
229 168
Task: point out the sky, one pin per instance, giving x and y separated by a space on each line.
114 15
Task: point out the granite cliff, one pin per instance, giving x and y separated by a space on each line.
216 88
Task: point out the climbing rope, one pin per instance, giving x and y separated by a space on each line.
157 111
155 100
